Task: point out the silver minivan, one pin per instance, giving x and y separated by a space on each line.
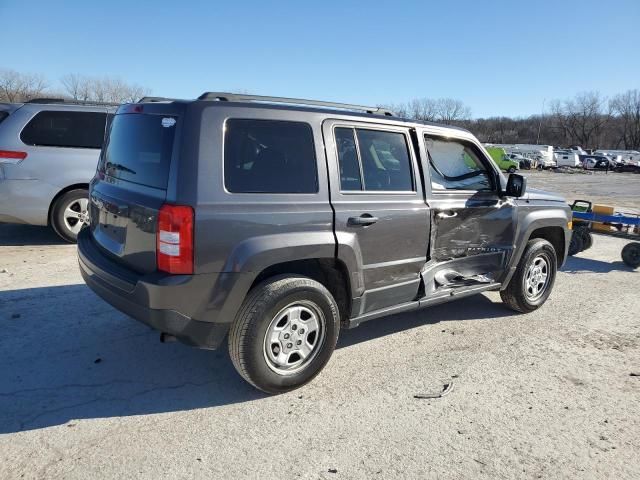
49 150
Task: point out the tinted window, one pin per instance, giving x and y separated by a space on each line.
139 149
264 156
3 115
65 129
386 164
348 157
455 166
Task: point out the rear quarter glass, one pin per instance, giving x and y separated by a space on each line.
139 148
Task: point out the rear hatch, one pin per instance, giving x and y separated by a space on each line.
132 181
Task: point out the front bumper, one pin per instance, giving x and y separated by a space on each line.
167 303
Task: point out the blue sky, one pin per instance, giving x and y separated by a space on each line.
499 57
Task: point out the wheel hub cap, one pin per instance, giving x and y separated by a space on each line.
76 215
537 278
294 337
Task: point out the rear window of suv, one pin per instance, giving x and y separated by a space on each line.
139 149
65 129
269 156
3 115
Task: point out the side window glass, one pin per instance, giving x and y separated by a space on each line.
70 129
348 158
455 166
269 156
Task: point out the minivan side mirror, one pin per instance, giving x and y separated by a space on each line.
516 186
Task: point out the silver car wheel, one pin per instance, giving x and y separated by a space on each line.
536 280
76 215
294 337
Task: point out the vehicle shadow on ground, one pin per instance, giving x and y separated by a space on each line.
588 265
67 355
12 235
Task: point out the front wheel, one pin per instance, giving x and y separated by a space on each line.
70 213
284 333
533 279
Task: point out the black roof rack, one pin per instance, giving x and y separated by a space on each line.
69 102
240 97
155 99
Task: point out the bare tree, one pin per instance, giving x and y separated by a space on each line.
450 110
582 118
102 89
627 107
423 109
19 87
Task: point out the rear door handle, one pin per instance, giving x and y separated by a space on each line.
362 220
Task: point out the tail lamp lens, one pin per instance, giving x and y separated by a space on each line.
175 239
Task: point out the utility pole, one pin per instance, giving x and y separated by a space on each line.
540 122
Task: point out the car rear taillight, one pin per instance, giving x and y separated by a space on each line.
174 240
11 156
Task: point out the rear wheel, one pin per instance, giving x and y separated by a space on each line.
631 254
533 279
284 333
70 213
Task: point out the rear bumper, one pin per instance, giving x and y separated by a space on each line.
25 201
167 303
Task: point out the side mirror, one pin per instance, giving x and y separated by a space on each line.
516 186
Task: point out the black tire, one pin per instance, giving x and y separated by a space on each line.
577 244
631 254
264 304
77 201
517 295
587 240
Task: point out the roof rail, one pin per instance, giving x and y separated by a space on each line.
155 99
240 97
69 101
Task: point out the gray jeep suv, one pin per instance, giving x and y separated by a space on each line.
49 150
277 221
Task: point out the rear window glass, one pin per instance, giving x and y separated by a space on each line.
3 115
65 129
139 149
265 156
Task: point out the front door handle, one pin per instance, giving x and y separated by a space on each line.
362 220
447 214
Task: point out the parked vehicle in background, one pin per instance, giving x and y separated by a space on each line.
542 154
502 160
49 150
622 157
523 162
597 162
567 158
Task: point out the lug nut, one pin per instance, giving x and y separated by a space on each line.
301 331
294 327
299 342
289 345
286 336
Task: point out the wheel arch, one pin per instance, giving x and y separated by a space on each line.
330 272
75 186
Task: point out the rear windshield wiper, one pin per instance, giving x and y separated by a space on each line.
118 166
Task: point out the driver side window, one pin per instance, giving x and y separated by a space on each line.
455 166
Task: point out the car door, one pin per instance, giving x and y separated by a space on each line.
381 219
472 225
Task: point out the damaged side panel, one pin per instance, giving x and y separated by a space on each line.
471 241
